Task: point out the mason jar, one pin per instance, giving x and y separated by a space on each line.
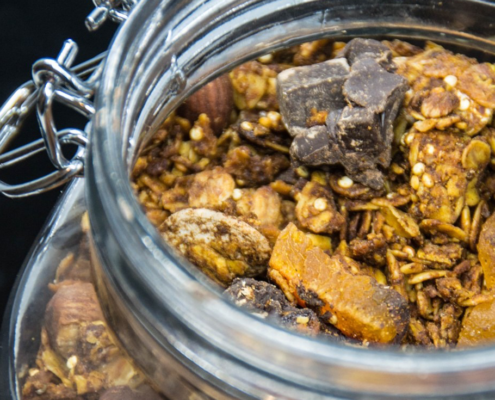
189 340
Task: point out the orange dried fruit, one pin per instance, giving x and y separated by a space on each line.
337 289
478 325
486 251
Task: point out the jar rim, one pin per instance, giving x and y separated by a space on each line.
138 239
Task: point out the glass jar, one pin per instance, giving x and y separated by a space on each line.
189 340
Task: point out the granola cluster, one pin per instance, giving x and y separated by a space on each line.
413 242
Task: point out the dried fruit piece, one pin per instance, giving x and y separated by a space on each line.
215 99
354 303
315 209
222 246
486 251
266 300
478 325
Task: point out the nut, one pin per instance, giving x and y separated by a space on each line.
215 100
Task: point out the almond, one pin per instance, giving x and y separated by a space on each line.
215 100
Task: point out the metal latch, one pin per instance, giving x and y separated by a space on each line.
55 80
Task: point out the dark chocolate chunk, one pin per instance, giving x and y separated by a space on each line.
358 49
370 86
303 89
314 147
266 300
358 131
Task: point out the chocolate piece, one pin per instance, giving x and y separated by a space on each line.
358 129
265 299
358 49
317 87
371 86
314 147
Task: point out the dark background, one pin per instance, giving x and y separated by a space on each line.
29 30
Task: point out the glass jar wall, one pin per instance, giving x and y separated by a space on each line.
186 338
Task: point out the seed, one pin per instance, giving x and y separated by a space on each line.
418 169
333 320
266 59
274 116
450 80
412 268
302 171
260 130
415 182
345 182
430 149
466 219
409 250
247 126
320 204
426 276
196 133
397 169
428 181
72 362
237 194
464 104
265 122
409 138
302 320
319 177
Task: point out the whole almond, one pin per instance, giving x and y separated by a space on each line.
216 99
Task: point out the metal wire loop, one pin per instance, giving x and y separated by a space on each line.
55 80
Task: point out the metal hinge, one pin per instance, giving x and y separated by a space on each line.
55 80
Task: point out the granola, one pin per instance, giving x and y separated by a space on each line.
406 222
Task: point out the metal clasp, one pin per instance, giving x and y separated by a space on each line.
56 81
53 81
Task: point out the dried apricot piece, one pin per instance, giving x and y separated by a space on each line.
337 290
478 325
486 251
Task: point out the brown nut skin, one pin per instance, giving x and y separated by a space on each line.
69 307
216 99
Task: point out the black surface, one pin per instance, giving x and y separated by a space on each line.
29 30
